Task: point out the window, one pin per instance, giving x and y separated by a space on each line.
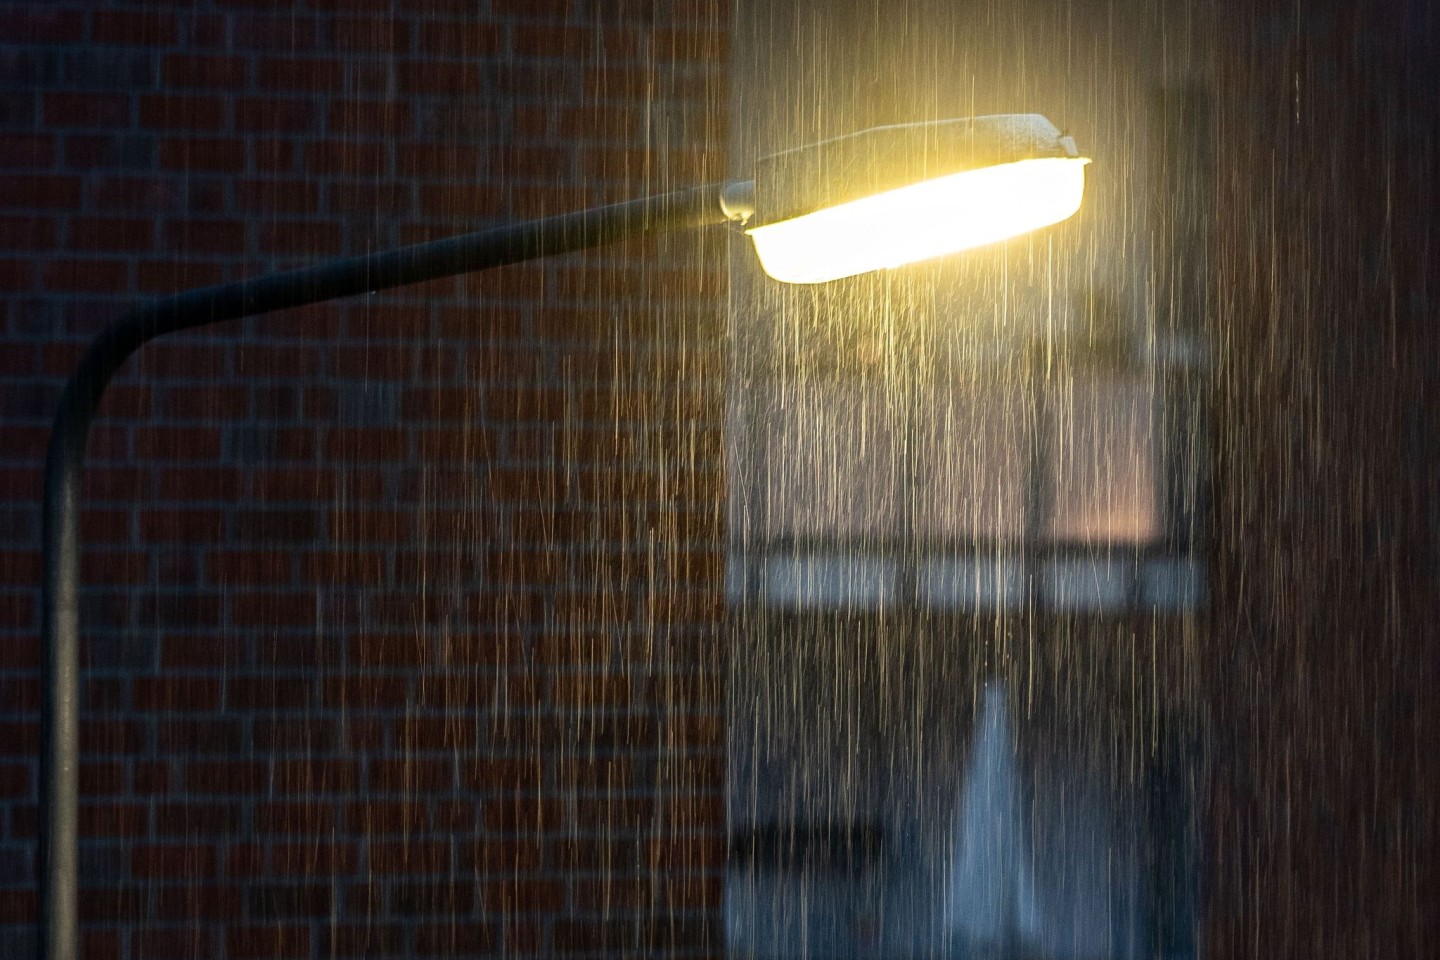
1030 437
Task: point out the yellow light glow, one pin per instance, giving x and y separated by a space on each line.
921 221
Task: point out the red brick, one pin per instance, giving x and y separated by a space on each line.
462 201
133 194
105 526
273 361
195 901
87 110
199 483
111 235
616 813
362 693
316 322
173 861
114 736
353 6
175 276
41 190
411 858
523 814
277 196
113 819
451 162
310 74
304 735
369 118
699 853
133 27
268 692
18 612
312 778
284 651
19 739
467 38
272 115
380 199
28 23
192 943
367 444
86 276
17 275
285 31
500 776
17 906
178 112
395 650
200 735
278 526
455 652
114 568
619 893
524 896
683 44
245 860
301 238
227 777
219 72
594 936
152 777
198 153
177 443
438 733
607 774
248 568
299 818
549 9
267 942
314 859
374 818
14 780
289 443
194 652
370 35
458 939
176 693
184 360
348 159
188 237
20 151
308 485
27 233
451 403
19 566
277 901
432 77
411 775
570 43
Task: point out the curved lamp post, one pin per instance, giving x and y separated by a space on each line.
880 198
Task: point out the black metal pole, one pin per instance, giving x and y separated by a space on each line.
58 863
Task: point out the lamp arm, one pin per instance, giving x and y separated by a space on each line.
58 859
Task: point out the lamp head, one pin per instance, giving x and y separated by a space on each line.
894 195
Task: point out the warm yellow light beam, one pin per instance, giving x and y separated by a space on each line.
922 221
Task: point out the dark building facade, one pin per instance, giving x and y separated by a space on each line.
400 613
406 619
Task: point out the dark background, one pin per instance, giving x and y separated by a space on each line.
405 615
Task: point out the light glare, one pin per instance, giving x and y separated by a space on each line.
921 221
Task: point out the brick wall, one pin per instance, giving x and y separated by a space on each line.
400 619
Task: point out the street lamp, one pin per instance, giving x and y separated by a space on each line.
894 195
880 198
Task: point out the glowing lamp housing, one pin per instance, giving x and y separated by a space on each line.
894 195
